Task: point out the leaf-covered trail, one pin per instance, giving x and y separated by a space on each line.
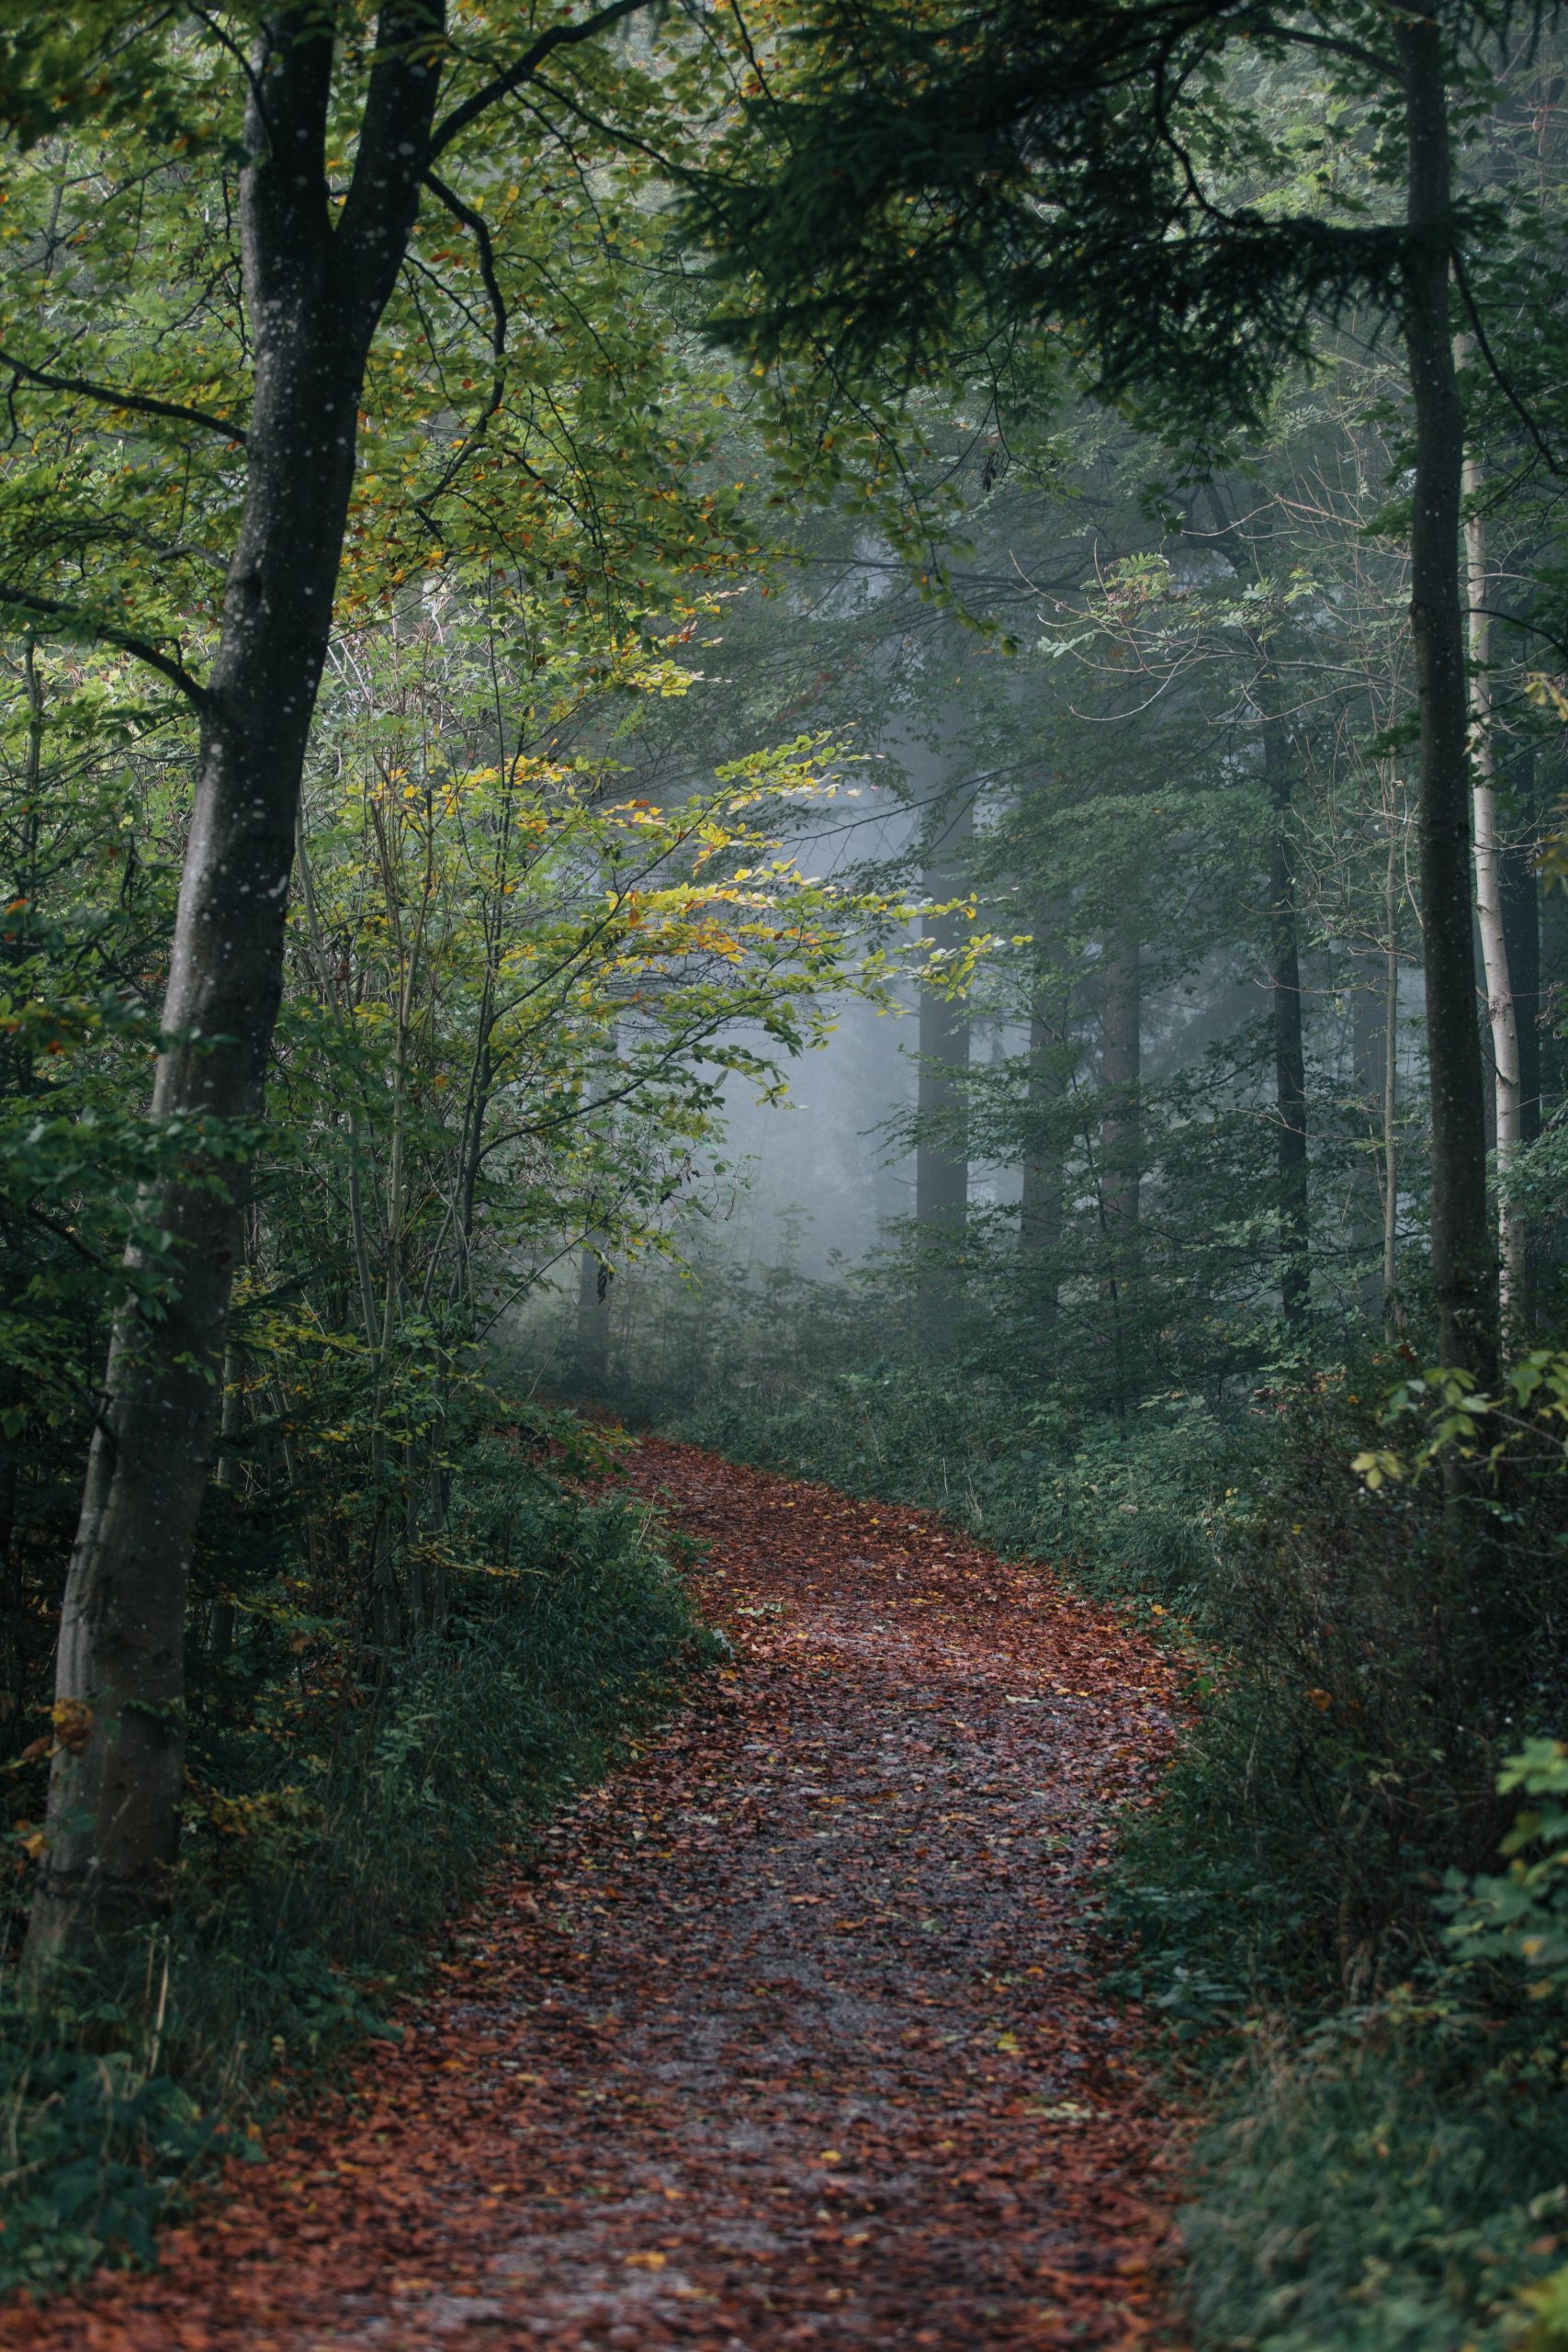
783 2039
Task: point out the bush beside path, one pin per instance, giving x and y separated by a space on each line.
788 2034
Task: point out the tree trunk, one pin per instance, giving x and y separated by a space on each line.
1121 1124
226 1479
1050 1053
942 1165
1501 1014
1464 1267
313 294
1290 1056
1521 932
1369 1056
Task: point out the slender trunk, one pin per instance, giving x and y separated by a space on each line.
358 1155
1501 1014
1391 1307
1369 1054
1289 1054
313 294
1521 930
941 1166
1121 1124
1039 1208
226 1478
1464 1259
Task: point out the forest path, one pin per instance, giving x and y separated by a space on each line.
784 2040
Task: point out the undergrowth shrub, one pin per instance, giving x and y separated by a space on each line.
1131 1502
335 1821
1379 2191
1376 1652
1397 2179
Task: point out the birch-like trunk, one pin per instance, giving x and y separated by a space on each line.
1464 1265
1501 1012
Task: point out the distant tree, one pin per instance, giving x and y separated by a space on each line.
916 189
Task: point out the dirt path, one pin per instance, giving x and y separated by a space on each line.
784 2041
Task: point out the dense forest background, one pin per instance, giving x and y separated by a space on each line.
684 749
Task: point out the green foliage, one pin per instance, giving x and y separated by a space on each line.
1400 2179
1378 2192
335 1821
1520 1919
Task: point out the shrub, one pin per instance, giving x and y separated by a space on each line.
336 1823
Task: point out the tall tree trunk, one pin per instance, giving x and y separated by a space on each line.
941 1164
1369 1056
1040 1208
1289 1054
1464 1268
226 1478
1121 1122
1391 1306
1521 932
1501 1012
313 294
1247 557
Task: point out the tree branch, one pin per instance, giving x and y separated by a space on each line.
63 1233
166 664
144 403
395 146
490 93
1472 311
476 223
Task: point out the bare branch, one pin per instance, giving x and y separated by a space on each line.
167 665
490 93
1472 311
143 404
476 223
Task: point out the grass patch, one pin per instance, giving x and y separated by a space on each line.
1381 2190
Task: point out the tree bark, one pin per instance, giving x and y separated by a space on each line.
1521 932
1464 1269
313 295
1501 1012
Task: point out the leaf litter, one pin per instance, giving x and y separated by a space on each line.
786 2035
